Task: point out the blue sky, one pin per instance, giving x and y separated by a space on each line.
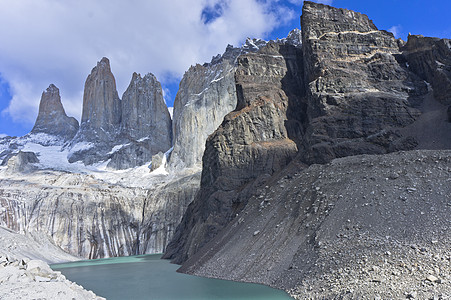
59 42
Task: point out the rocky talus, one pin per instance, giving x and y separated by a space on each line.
34 279
361 227
52 118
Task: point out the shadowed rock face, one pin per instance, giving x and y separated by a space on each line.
345 91
52 118
430 58
253 142
357 90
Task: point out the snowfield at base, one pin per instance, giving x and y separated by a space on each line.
54 158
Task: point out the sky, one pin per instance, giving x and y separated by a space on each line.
59 42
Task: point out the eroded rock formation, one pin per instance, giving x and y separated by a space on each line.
52 118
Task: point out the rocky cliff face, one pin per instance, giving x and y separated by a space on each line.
92 218
52 118
126 132
101 116
101 104
430 58
254 141
206 94
146 126
345 91
358 91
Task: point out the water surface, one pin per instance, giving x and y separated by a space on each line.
149 277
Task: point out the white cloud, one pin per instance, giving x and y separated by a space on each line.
2 135
51 41
396 30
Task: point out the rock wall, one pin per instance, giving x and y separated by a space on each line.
430 58
345 91
253 142
91 218
358 88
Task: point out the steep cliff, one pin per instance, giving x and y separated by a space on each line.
206 94
345 91
358 91
93 217
52 118
430 58
101 116
146 126
254 141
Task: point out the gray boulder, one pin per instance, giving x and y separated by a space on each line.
21 162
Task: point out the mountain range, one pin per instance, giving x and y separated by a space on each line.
318 164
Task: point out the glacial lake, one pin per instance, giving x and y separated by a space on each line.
149 277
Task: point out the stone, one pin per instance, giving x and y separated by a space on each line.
146 126
22 162
101 116
448 112
357 90
254 141
52 118
432 278
430 59
157 161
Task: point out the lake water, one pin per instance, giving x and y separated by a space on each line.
149 277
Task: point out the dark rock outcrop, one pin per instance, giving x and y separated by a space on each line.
430 58
358 92
52 118
253 142
343 91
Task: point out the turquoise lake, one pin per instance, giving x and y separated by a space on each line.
149 277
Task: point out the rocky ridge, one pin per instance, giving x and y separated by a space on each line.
340 92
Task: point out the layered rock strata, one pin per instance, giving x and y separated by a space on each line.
52 118
358 89
345 91
430 58
254 141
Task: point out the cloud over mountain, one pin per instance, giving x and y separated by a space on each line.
60 41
